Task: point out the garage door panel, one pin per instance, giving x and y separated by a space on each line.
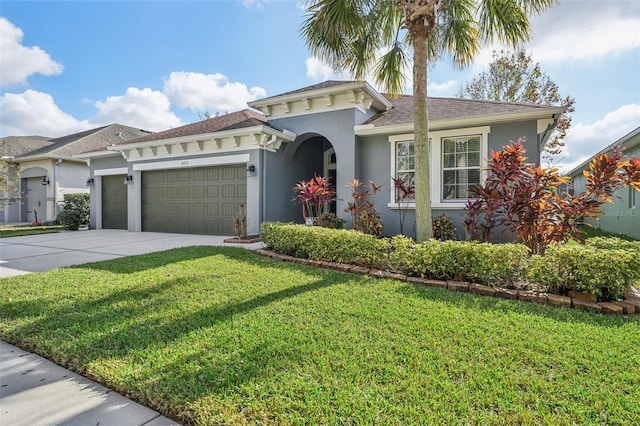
228 191
184 192
114 202
199 200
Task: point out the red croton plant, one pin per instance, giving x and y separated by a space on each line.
315 195
526 200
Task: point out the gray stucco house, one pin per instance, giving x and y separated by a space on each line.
191 179
48 169
623 215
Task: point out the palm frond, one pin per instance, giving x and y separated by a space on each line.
391 70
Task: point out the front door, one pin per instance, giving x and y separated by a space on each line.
330 168
34 197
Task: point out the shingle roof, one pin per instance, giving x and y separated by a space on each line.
234 120
444 108
19 145
89 140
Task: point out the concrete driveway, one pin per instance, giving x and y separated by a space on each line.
35 253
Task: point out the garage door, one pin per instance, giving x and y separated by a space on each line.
200 200
114 202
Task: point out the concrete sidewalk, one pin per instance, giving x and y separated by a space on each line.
36 253
35 391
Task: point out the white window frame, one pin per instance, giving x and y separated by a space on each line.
435 164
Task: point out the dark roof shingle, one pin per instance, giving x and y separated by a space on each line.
443 109
89 140
234 120
14 146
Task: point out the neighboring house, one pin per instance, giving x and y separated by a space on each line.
192 179
48 169
623 215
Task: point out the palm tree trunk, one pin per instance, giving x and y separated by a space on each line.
422 147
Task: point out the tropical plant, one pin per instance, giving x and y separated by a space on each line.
350 34
329 220
405 193
315 196
514 77
525 200
364 216
240 222
443 228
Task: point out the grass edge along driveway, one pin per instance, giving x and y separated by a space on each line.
213 335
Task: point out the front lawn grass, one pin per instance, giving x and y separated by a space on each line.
211 335
21 231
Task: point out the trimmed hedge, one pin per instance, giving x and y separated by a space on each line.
605 272
602 267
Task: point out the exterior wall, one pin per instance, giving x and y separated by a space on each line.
374 163
502 134
71 178
619 217
287 170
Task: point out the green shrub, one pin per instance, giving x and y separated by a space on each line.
483 263
75 211
613 243
333 245
70 219
605 273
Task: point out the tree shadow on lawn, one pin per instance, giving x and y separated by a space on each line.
109 327
142 262
504 306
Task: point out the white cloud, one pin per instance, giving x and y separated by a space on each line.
578 30
318 71
18 62
585 140
258 4
144 108
588 40
36 113
209 92
441 87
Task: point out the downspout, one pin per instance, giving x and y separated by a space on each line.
263 187
55 188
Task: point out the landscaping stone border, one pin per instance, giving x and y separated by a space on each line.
629 306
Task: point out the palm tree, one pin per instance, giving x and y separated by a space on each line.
376 36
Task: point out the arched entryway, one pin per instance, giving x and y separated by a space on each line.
312 155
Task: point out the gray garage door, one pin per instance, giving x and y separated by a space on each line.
201 200
114 202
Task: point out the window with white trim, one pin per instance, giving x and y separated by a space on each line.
457 159
460 166
632 197
406 163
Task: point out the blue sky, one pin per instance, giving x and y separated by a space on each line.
71 66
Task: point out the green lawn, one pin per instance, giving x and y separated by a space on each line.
222 336
20 231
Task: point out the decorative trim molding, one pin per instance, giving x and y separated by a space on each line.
111 171
193 162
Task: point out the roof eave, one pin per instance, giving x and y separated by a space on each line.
372 129
381 103
286 135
